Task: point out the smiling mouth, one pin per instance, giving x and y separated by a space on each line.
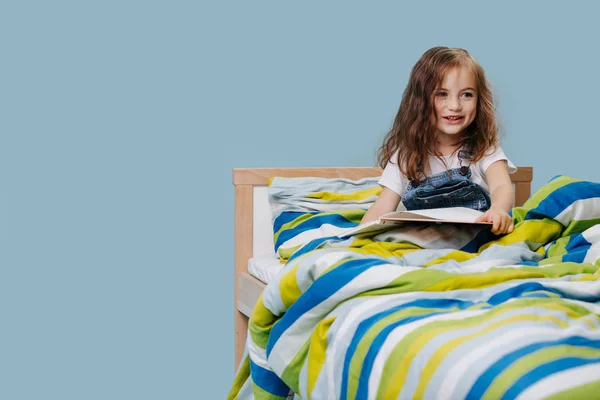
453 118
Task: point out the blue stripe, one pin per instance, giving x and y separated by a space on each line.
310 246
482 237
577 241
577 249
562 198
288 216
520 291
523 292
576 256
548 246
321 289
268 381
538 295
530 263
314 223
363 383
484 381
365 326
544 371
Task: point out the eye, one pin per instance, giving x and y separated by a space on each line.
441 94
468 94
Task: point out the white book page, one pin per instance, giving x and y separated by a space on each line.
453 214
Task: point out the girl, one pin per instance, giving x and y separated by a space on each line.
442 150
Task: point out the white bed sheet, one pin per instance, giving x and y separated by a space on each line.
264 267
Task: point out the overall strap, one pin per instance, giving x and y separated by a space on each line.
465 154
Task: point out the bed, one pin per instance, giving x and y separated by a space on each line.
256 263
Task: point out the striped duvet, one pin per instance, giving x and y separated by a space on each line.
438 313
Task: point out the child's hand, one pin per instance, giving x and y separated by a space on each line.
503 223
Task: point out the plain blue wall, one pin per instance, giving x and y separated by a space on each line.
121 122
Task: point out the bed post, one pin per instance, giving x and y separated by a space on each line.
522 180
242 251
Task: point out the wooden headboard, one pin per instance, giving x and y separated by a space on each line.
246 179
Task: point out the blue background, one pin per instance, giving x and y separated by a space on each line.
120 125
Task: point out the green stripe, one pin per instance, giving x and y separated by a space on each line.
260 394
563 269
367 340
533 232
413 281
540 195
407 343
352 215
425 279
559 247
587 391
525 364
260 323
241 377
260 334
575 227
292 224
286 252
291 373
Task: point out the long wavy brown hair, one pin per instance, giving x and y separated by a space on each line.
413 133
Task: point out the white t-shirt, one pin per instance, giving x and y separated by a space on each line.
393 179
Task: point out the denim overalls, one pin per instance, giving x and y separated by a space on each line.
451 188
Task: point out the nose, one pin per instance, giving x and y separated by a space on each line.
453 103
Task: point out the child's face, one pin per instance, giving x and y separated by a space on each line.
455 103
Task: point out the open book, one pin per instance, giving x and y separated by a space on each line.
452 215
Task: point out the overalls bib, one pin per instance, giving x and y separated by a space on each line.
451 188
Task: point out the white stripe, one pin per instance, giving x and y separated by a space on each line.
246 392
593 308
305 276
580 210
316 262
466 331
458 370
299 332
562 381
306 236
352 313
593 254
297 205
258 355
469 268
361 311
397 335
272 297
303 379
592 235
576 289
506 344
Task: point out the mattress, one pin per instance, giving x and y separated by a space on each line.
264 267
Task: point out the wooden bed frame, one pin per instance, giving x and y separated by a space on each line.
247 287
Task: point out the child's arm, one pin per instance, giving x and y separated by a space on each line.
501 191
387 202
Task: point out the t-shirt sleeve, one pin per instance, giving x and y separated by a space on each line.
392 178
497 155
